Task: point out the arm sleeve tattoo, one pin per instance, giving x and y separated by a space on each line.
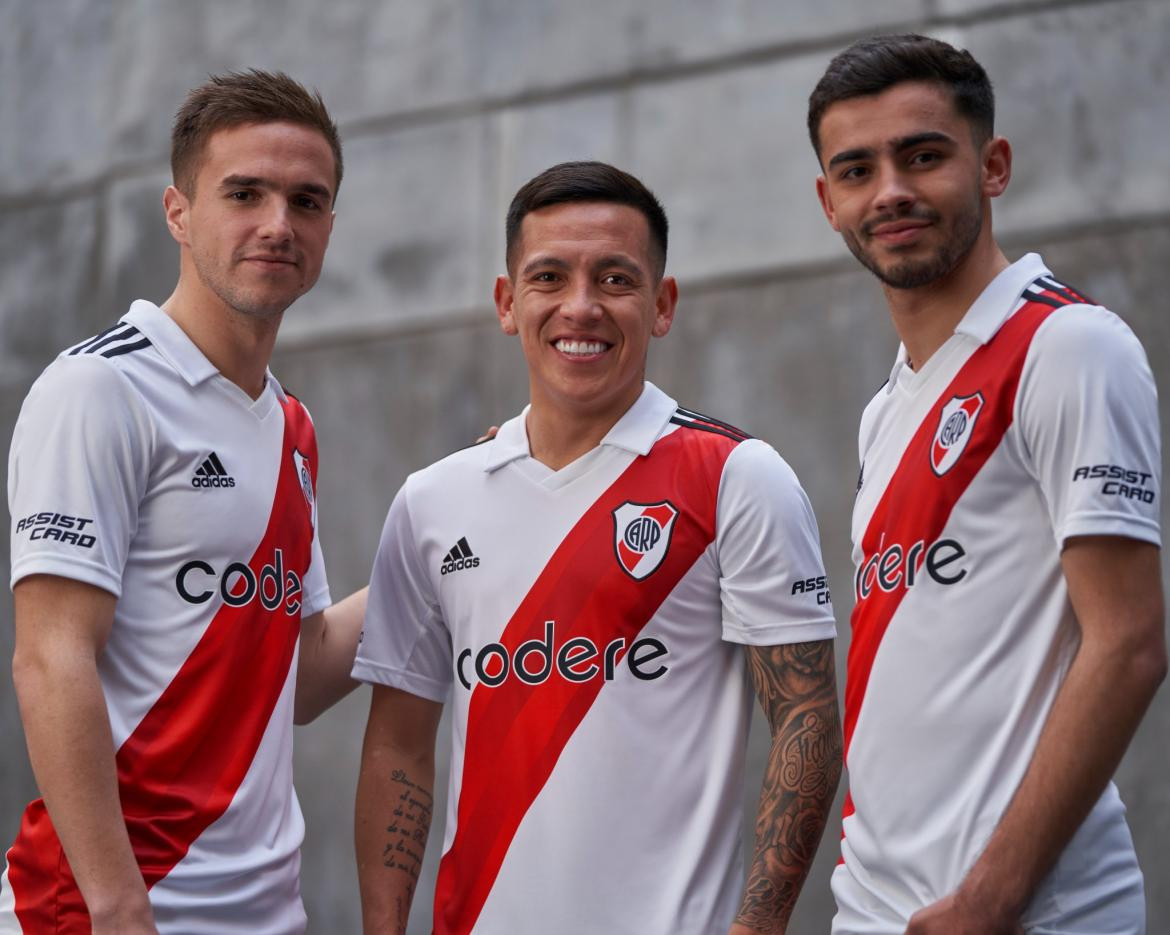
406 836
796 685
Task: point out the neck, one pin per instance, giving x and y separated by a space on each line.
927 316
558 436
238 345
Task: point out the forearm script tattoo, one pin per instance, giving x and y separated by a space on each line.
407 836
797 687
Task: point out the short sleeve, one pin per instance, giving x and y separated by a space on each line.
1088 414
77 471
316 583
772 579
405 642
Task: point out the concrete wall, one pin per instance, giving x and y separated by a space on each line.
446 107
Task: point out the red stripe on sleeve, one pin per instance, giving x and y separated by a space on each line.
180 768
516 732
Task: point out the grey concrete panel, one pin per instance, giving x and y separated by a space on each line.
728 155
406 241
1092 136
49 257
140 259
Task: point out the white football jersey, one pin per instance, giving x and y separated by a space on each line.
138 468
1035 422
586 624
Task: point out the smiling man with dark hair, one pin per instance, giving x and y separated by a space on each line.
595 590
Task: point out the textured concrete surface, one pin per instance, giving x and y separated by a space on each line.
446 107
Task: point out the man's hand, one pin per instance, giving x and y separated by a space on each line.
61 629
959 915
488 435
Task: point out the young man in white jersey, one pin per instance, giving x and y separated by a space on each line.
165 561
1007 632
590 589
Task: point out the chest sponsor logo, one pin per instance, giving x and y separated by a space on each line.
275 586
897 566
212 473
641 536
49 526
956 423
576 660
305 480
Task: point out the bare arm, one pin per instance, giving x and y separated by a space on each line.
328 645
1115 587
796 686
61 628
394 804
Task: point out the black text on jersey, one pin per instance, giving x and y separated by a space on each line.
211 473
458 558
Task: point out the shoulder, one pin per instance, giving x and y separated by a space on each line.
86 382
1085 335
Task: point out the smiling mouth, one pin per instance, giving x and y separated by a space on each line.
581 348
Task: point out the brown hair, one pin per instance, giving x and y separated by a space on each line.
586 181
872 65
241 97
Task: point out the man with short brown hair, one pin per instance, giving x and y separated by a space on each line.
166 568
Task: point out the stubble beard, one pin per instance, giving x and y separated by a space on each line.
240 299
913 274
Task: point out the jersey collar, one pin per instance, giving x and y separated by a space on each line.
636 431
179 350
988 312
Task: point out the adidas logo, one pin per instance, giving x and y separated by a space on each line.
458 558
211 473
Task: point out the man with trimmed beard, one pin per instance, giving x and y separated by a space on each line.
1008 625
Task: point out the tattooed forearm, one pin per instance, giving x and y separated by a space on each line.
406 842
796 686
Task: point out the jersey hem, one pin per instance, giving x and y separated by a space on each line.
780 634
372 672
1111 524
64 567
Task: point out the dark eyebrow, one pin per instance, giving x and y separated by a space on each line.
545 262
255 181
621 262
897 146
852 155
917 139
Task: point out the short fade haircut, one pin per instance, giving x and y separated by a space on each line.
586 181
872 65
236 98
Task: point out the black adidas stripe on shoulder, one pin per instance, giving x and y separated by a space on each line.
113 342
690 419
1064 290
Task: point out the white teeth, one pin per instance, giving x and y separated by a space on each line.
579 347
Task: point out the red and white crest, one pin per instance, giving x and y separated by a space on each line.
641 536
956 423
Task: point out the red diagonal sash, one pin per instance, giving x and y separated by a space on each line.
917 503
180 768
516 732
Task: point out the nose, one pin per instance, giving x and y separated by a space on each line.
276 224
581 303
894 194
